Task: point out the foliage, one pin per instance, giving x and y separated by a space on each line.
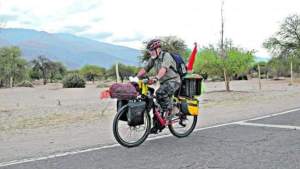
285 46
286 42
170 44
91 72
25 84
124 70
73 81
13 68
238 61
57 71
42 65
44 68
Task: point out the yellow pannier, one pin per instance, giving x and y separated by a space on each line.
189 106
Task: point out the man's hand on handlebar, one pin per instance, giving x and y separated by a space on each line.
152 80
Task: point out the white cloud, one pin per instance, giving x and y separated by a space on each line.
247 22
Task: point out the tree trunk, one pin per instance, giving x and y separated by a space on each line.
10 81
44 78
226 81
291 83
117 72
259 81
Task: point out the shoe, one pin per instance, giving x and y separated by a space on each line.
154 130
182 123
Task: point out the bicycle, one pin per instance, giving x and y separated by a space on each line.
181 121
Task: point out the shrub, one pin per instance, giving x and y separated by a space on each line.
25 84
73 81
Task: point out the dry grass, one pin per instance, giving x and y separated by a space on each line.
56 119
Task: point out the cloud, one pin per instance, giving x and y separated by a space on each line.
27 22
7 17
117 21
98 36
79 6
97 19
75 29
135 37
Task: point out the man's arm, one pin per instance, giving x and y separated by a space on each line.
141 73
162 71
146 69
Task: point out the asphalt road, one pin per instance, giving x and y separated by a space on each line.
269 142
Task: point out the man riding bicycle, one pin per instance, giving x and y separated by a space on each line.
166 73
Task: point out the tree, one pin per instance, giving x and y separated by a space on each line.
125 71
238 61
43 65
57 71
285 44
91 72
13 68
222 54
264 68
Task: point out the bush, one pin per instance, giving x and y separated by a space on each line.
25 84
73 81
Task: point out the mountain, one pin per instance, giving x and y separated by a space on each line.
73 51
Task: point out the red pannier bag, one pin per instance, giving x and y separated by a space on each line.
123 91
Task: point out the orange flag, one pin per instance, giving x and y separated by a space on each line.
104 94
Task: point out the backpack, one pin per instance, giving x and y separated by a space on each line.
181 68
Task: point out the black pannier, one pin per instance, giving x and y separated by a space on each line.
120 104
191 86
135 114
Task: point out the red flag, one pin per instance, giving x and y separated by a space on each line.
105 94
192 59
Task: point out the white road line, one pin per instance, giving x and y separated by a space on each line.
14 162
272 115
269 125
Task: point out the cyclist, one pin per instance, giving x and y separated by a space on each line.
166 74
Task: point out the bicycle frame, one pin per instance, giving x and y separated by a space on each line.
144 92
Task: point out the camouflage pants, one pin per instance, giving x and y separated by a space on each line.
165 92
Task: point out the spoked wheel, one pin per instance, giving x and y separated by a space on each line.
130 136
182 125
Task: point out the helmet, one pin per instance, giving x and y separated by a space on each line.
153 44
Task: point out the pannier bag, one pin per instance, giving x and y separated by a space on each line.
191 86
190 106
123 91
120 104
135 114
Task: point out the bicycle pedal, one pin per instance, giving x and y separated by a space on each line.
169 117
182 124
153 131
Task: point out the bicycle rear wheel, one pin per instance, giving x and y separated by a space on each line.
182 126
130 136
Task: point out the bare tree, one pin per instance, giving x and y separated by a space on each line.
223 54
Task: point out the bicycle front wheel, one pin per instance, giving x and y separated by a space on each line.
130 136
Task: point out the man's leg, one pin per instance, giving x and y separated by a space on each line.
164 94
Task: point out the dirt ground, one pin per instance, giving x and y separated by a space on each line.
49 119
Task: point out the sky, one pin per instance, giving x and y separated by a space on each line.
248 23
